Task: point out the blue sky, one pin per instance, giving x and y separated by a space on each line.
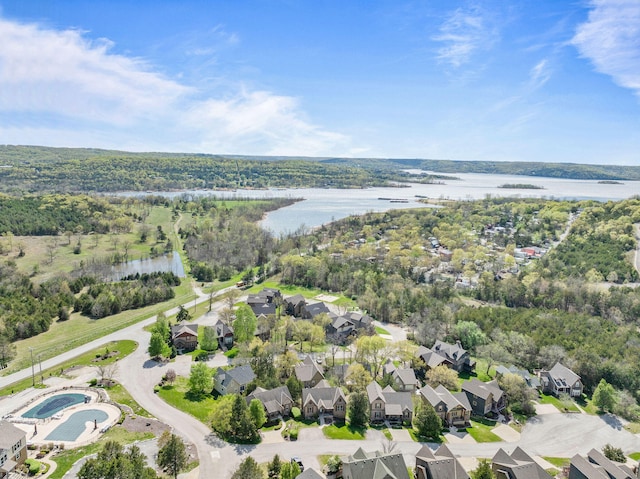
534 80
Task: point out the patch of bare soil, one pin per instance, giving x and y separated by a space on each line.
144 424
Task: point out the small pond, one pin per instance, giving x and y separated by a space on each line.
166 263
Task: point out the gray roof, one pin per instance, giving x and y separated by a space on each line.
316 309
374 391
263 308
310 473
272 399
431 358
295 299
374 465
223 329
441 394
407 376
10 435
442 464
179 329
614 470
483 390
243 375
306 371
581 468
325 397
449 351
562 374
520 465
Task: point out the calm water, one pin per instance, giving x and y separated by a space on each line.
165 263
322 206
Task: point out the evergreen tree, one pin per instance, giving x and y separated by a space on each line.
241 425
274 467
483 471
426 421
113 462
248 469
604 396
358 408
173 456
290 470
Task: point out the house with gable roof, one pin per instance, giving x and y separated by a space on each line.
13 448
389 405
453 409
323 399
277 402
561 380
531 380
374 465
233 381
453 356
309 372
185 337
597 466
224 332
294 305
441 464
405 379
517 465
484 397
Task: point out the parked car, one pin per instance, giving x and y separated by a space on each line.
298 461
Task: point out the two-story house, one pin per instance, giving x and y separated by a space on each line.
224 332
561 380
277 402
324 400
441 464
185 337
308 372
233 381
13 448
453 356
389 405
484 397
405 379
517 465
453 409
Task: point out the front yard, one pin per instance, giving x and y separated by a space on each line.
562 406
481 431
344 431
177 395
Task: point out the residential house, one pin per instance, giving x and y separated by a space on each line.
13 448
310 311
264 302
294 305
531 380
484 397
233 381
309 372
561 380
310 473
518 465
597 466
453 409
225 335
324 400
441 464
185 337
388 368
453 356
388 405
277 402
374 465
405 379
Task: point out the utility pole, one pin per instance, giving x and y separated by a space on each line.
33 372
40 363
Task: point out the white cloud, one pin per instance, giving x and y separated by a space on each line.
463 33
539 74
610 39
60 81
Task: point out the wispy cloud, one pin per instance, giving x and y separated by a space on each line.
539 74
462 34
610 39
61 88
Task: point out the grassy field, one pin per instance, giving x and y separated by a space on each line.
381 330
482 432
176 395
587 405
79 330
635 456
344 432
559 462
124 348
561 406
67 458
120 395
633 427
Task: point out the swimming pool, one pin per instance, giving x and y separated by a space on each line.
53 405
71 429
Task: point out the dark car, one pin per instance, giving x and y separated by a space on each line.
298 461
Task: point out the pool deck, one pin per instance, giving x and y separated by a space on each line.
45 427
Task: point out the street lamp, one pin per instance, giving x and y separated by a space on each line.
33 372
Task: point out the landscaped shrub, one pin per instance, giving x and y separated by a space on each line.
33 465
296 413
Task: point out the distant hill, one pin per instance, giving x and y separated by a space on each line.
40 169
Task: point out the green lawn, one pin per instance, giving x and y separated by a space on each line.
482 432
124 348
560 406
559 462
344 432
120 395
414 435
178 396
633 427
65 459
635 456
381 330
587 405
78 330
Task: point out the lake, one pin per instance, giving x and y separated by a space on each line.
165 263
321 206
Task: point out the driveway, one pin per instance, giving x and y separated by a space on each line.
542 409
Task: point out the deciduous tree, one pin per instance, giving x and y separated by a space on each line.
200 379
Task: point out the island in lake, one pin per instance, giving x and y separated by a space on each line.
610 182
521 186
